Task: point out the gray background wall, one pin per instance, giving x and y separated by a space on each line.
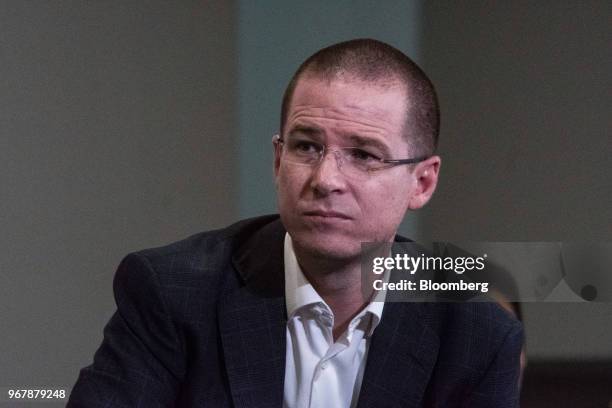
117 132
132 125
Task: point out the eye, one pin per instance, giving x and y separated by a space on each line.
360 155
305 147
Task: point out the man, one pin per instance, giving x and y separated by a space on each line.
269 312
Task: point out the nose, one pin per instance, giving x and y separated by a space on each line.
327 177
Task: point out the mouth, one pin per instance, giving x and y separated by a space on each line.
326 214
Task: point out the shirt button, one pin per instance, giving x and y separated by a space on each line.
323 365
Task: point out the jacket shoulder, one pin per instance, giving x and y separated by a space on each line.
189 275
486 324
472 334
205 253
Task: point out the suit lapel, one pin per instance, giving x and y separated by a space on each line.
401 357
252 321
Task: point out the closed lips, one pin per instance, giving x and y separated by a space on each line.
327 214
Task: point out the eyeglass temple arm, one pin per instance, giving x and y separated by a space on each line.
405 161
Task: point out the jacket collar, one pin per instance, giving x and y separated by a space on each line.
252 320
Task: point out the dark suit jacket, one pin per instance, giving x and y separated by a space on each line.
202 323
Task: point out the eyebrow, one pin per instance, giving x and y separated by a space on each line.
307 130
356 140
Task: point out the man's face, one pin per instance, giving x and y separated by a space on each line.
325 212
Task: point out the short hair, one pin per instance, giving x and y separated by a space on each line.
381 64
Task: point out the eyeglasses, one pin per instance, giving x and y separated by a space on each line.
355 162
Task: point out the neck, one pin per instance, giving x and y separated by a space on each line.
338 282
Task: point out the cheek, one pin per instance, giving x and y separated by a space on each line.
387 196
385 206
288 185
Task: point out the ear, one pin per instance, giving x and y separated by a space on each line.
426 174
276 146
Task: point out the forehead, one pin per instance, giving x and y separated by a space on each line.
341 104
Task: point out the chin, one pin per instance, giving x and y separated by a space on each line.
326 244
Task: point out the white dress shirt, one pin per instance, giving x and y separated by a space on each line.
319 372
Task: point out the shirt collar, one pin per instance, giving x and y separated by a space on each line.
299 293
